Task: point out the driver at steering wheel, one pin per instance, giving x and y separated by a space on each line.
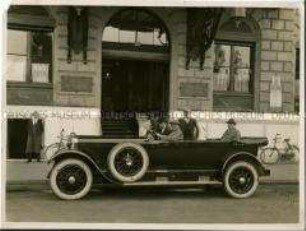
165 130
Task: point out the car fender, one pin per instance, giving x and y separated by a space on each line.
245 156
68 153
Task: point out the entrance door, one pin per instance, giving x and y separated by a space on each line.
16 138
134 85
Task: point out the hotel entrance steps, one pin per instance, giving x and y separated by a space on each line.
119 129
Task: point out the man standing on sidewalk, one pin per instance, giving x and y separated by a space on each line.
35 137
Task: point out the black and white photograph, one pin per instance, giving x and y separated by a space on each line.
152 115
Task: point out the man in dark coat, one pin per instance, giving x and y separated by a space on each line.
232 133
189 126
35 137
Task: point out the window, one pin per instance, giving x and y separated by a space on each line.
135 28
233 67
112 34
29 56
236 65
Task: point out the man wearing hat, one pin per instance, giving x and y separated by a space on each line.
232 133
35 137
175 132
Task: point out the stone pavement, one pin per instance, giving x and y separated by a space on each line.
34 174
271 204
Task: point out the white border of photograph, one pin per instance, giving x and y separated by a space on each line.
137 226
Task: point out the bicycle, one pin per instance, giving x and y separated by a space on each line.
62 143
274 154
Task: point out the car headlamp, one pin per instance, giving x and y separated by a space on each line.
72 139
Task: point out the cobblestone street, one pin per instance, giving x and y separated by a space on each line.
272 203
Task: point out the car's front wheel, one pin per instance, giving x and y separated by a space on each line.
240 179
71 179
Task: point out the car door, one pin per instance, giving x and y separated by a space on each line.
185 154
199 154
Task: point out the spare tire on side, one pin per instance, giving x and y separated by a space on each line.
128 162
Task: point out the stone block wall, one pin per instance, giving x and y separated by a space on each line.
277 56
278 32
76 83
79 85
26 94
199 99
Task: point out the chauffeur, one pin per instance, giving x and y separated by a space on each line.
175 131
232 133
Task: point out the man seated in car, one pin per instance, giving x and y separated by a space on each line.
157 126
169 130
232 133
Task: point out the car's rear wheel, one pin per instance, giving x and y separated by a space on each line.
71 179
128 162
240 179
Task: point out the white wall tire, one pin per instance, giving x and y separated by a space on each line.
240 180
71 179
128 162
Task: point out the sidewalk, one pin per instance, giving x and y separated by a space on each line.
23 175
282 173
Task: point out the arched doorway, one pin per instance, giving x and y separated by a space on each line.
135 63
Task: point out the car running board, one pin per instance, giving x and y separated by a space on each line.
202 180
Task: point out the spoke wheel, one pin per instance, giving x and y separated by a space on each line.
241 180
71 179
128 162
269 156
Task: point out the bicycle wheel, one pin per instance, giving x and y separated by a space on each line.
269 156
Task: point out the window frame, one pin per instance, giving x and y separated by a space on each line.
252 46
30 29
137 46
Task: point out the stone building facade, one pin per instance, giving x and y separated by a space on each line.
269 37
274 30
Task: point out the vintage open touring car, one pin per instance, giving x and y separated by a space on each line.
83 161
